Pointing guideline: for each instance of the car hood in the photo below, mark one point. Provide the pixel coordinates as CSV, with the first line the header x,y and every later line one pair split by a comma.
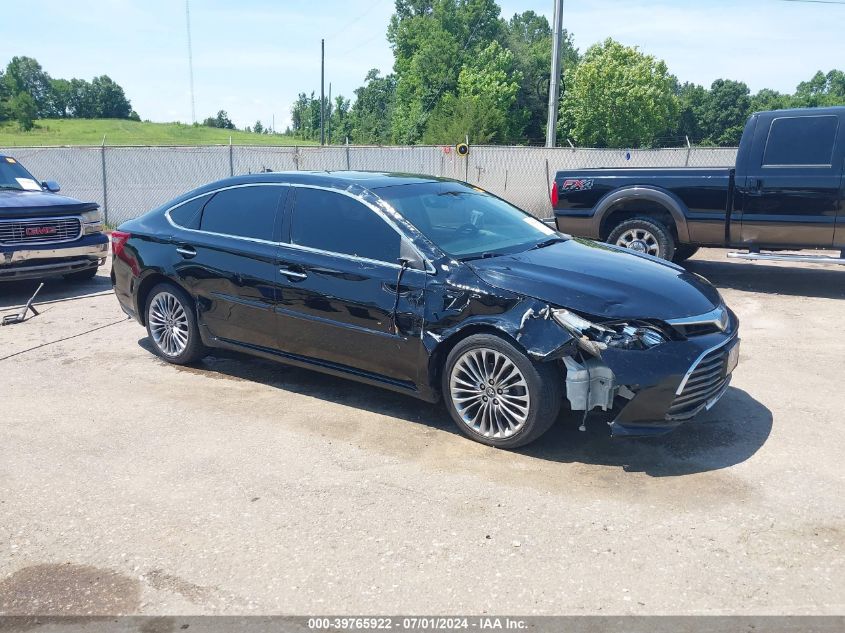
x,y
38,203
600,280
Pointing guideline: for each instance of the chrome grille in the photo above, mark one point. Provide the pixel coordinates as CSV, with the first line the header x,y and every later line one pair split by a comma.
x,y
706,380
40,230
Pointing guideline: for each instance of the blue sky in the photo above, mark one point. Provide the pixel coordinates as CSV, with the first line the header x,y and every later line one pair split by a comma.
x,y
252,57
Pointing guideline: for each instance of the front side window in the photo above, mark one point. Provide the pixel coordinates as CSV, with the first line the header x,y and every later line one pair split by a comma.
x,y
466,222
14,176
805,140
243,211
336,223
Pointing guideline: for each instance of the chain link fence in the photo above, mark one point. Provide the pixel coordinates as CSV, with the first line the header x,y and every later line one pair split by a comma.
x,y
129,181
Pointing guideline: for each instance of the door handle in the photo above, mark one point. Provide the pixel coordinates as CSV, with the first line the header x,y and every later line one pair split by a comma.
x,y
292,274
186,251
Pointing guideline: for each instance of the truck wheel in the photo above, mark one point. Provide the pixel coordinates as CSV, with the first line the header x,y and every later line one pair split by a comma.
x,y
683,252
497,395
644,235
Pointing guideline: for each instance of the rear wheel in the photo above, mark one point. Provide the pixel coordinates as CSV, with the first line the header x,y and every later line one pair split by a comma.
x,y
644,235
497,395
683,252
172,325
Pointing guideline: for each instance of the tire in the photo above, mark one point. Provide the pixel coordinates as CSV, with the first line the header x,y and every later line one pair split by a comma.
x,y
508,425
683,252
172,325
82,275
644,235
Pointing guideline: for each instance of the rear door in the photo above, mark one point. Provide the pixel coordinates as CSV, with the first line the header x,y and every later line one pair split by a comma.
x,y
227,258
340,271
792,188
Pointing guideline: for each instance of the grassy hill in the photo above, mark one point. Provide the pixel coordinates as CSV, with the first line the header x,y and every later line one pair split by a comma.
x,y
123,132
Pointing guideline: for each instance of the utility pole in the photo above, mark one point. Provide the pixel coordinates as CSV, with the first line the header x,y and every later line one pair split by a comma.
x,y
329,116
554,77
190,62
322,92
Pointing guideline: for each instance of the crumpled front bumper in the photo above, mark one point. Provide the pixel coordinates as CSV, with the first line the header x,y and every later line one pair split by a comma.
x,y
672,382
33,261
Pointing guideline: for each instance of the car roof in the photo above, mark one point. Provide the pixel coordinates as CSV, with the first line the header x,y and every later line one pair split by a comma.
x,y
331,179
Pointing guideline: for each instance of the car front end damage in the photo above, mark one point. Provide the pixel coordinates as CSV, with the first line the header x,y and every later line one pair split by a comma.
x,y
651,376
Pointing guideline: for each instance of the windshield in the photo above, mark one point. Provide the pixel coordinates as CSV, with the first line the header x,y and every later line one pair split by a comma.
x,y
13,176
465,222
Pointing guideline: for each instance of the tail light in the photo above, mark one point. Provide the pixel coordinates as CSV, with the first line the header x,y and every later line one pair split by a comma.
x,y
118,249
118,242
554,195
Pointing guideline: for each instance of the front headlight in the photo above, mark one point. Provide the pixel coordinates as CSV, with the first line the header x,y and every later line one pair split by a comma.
x,y
92,222
595,337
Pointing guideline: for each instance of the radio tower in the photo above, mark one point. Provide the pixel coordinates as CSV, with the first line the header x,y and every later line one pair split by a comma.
x,y
190,61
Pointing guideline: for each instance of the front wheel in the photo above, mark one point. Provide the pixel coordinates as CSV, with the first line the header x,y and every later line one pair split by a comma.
x,y
497,395
644,235
172,325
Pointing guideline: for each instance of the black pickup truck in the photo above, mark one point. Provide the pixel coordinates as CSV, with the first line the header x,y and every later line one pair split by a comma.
x,y
785,193
43,234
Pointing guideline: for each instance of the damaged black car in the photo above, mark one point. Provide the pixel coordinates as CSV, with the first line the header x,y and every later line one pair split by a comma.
x,y
432,288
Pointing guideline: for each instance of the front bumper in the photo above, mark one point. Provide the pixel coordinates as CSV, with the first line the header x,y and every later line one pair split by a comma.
x,y
47,260
654,391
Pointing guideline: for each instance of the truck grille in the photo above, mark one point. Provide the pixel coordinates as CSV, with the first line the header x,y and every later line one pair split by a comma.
x,y
40,230
706,380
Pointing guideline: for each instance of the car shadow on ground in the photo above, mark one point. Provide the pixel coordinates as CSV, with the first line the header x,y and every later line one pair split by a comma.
x,y
729,434
756,277
17,293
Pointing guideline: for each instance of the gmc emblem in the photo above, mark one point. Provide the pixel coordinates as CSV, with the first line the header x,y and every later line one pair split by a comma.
x,y
40,230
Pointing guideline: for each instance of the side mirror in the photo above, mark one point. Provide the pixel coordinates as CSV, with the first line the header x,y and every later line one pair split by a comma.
x,y
51,185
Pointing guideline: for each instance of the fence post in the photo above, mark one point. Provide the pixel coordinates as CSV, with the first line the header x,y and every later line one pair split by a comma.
x,y
231,158
105,187
347,154
689,149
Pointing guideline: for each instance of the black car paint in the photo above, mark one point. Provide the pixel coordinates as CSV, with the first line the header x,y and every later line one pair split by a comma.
x,y
750,206
338,320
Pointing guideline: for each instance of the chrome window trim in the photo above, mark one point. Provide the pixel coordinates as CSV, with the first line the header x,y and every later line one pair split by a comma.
x,y
718,317
698,360
82,225
429,267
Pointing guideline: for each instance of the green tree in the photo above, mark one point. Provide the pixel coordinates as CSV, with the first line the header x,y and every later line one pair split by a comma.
x,y
258,128
728,108
822,90
372,112
431,40
221,120
24,74
692,102
24,110
341,120
529,37
768,99
617,97
60,97
110,99
485,102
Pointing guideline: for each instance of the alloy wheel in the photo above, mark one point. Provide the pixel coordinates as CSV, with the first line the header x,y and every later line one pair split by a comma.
x,y
640,241
169,324
489,393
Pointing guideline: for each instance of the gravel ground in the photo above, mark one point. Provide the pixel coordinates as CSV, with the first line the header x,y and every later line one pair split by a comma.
x,y
240,486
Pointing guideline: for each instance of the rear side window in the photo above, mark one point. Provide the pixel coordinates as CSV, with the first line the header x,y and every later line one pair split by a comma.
x,y
187,215
243,212
338,224
806,140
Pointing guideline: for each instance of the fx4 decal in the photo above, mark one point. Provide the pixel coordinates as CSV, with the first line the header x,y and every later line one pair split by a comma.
x,y
577,184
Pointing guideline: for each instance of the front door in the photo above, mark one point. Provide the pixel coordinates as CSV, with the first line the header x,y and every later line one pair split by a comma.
x,y
341,303
791,193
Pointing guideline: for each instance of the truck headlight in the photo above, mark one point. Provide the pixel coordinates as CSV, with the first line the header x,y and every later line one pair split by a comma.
x,y
595,337
92,222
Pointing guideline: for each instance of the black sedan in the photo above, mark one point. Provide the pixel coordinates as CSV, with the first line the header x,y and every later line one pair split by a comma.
x,y
429,287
